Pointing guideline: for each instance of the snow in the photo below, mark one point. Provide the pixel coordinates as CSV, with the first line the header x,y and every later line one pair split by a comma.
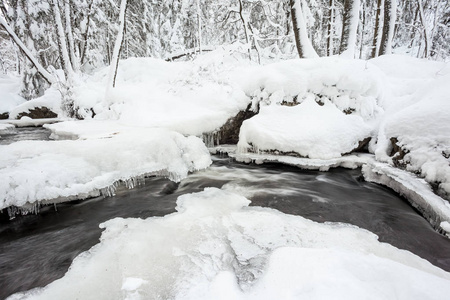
x,y
217,247
418,115
51,99
298,129
191,98
4,127
9,93
55,171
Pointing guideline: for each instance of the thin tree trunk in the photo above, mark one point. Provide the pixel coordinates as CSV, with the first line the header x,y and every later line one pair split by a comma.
x,y
69,33
117,46
330,29
425,29
45,74
199,24
349,28
388,27
244,24
67,67
304,46
376,35
86,34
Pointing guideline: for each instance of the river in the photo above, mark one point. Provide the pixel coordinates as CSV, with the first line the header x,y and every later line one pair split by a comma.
x,y
37,249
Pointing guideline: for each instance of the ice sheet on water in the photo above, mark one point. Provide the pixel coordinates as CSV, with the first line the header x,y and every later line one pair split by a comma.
x,y
48,171
217,247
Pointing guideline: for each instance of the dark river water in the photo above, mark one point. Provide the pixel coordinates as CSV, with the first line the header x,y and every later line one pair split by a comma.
x,y
37,249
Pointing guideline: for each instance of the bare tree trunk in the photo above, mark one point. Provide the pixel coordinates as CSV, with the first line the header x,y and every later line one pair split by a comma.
x,y
69,34
244,24
66,65
86,34
425,29
376,35
330,29
199,24
349,28
304,46
117,46
388,27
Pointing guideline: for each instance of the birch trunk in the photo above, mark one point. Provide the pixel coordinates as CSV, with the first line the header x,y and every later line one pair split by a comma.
x,y
117,46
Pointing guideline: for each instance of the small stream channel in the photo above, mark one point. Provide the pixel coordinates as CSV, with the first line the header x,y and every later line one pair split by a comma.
x,y
37,249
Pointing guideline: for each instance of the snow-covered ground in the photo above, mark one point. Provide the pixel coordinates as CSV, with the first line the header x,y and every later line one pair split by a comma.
x,y
217,247
319,109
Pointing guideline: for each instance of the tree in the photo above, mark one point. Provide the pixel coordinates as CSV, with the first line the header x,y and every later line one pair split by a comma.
x,y
390,15
349,28
304,46
377,32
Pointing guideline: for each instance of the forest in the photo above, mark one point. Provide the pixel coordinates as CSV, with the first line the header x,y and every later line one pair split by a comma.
x,y
77,36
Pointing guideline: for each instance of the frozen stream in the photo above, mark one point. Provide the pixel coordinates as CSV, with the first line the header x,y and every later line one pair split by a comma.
x,y
37,249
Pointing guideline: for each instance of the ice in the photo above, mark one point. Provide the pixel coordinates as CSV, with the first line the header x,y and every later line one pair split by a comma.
x,y
217,247
55,171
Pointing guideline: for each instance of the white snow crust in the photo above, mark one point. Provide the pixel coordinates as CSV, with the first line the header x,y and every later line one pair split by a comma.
x,y
54,171
217,247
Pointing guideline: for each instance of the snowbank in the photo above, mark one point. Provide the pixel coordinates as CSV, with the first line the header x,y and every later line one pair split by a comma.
x,y
216,247
54,171
188,97
418,116
308,129
329,106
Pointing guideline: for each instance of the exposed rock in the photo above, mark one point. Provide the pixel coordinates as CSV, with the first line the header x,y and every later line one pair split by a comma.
x,y
4,116
229,132
363,146
38,113
397,154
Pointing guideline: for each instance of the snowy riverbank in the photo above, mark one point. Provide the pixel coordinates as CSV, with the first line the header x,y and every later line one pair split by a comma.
x,y
314,108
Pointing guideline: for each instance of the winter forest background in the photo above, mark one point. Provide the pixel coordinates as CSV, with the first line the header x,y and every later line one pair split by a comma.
x,y
79,35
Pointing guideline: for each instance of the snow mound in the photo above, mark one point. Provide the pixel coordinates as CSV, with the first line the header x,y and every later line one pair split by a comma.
x,y
51,99
354,86
55,171
308,129
423,130
188,97
216,247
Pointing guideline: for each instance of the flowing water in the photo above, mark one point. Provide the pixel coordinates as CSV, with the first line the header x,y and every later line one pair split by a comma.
x,y
37,249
